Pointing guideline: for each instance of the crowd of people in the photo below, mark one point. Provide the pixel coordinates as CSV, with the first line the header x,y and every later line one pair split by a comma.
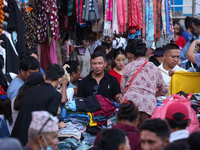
x,y
32,102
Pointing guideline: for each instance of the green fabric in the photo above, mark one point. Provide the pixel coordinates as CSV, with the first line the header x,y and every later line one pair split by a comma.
x,y
48,34
69,111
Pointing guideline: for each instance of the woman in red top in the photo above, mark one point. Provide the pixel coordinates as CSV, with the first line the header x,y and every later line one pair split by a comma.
x,y
179,40
119,60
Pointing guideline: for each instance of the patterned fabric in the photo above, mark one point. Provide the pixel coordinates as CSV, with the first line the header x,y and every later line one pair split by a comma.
x,y
40,118
157,17
135,16
115,27
170,18
48,14
167,16
122,15
79,9
143,88
149,23
70,7
30,21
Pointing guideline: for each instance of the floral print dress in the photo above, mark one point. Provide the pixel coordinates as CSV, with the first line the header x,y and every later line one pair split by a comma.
x,y
142,90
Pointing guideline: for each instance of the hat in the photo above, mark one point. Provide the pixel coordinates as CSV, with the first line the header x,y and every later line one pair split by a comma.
x,y
43,121
158,52
177,107
10,143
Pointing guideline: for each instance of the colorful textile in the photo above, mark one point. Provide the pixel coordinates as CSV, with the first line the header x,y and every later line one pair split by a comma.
x,y
115,23
149,23
92,122
163,15
109,12
79,9
107,24
48,13
53,51
135,16
167,16
171,27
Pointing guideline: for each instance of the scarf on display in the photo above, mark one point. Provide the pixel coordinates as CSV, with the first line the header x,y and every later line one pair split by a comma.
x,y
167,16
79,9
170,18
107,24
48,15
109,12
115,27
163,15
157,17
135,16
149,23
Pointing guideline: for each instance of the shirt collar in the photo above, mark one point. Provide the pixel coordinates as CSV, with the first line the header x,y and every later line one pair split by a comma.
x,y
178,135
104,77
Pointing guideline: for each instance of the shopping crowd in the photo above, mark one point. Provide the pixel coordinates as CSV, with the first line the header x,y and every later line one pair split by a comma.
x,y
104,100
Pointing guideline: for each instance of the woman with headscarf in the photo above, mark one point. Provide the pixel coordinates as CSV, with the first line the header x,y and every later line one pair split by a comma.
x,y
33,79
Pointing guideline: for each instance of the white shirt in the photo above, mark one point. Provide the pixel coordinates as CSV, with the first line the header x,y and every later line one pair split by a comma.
x,y
167,78
178,135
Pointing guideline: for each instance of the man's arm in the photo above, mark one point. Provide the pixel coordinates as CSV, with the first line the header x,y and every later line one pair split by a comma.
x,y
190,53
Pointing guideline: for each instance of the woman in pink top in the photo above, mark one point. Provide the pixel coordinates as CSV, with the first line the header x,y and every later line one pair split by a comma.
x,y
142,91
119,60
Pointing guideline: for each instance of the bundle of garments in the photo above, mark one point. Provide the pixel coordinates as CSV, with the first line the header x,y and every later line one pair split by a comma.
x,y
12,31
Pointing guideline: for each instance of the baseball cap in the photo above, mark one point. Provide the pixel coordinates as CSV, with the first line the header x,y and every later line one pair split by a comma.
x,y
177,107
158,52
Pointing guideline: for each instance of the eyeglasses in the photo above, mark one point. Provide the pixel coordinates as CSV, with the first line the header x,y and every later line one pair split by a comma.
x,y
96,87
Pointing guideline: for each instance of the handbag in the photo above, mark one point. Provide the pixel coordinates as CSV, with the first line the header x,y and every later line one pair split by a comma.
x,y
136,75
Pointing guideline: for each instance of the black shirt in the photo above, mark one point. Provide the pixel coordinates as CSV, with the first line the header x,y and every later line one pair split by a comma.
x,y
154,60
42,97
108,86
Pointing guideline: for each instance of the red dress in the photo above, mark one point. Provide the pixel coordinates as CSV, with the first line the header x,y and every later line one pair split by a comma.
x,y
116,75
180,42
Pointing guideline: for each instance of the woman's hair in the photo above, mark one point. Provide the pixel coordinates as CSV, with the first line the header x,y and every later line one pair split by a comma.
x,y
5,108
138,48
175,22
33,79
118,51
127,111
100,48
3,81
193,141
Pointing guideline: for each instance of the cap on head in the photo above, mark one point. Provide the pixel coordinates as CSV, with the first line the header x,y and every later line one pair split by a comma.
x,y
45,121
177,107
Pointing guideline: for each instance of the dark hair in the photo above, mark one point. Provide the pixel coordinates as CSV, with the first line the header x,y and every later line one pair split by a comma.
x,y
118,51
54,72
127,49
109,59
138,48
112,139
193,141
107,45
128,111
5,109
73,66
3,81
176,22
176,146
33,79
196,22
98,54
29,62
101,49
178,123
95,148
30,52
158,126
188,20
170,46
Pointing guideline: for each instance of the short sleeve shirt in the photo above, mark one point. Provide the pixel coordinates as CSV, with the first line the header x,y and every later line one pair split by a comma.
x,y
108,86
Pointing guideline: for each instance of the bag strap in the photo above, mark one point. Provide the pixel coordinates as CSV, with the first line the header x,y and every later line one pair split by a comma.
x,y
136,74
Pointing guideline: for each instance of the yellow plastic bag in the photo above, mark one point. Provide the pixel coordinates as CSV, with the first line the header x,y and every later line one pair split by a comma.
x,y
188,82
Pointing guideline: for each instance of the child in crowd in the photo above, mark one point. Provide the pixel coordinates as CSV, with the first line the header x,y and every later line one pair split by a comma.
x,y
109,61
5,116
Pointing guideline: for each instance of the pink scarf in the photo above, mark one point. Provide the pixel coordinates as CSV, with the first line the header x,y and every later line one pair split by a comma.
x,y
109,12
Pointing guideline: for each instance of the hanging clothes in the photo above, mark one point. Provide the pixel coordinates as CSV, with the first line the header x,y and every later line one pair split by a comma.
x,y
12,60
109,12
98,26
31,20
52,50
149,23
157,19
115,23
135,16
16,23
90,10
48,14
107,24
163,15
79,9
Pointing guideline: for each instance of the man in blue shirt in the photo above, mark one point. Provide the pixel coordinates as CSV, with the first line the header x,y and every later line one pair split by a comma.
x,y
186,34
195,26
28,65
